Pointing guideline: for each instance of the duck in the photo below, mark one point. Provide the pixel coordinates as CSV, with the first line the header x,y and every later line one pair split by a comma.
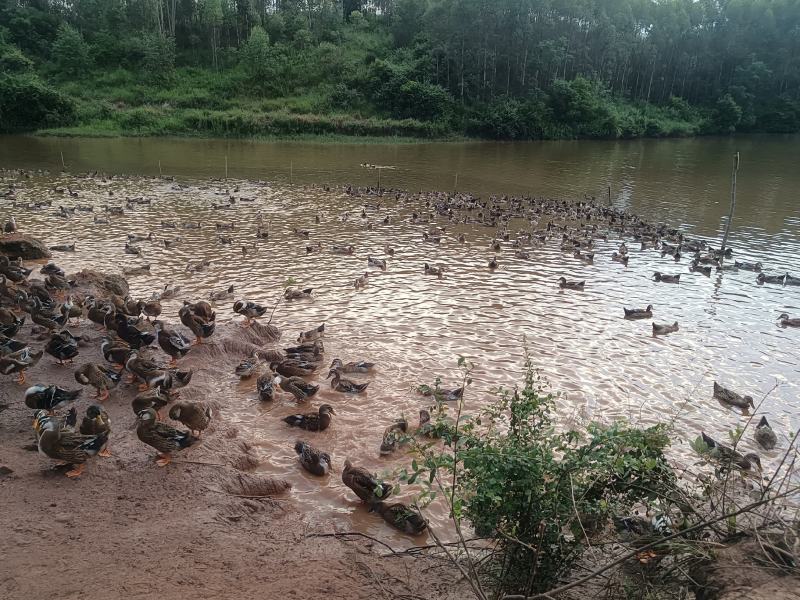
x,y
346,250
361,281
585,257
98,313
694,267
71,310
219,295
346,386
248,367
620,258
164,438
387,249
364,484
116,352
309,350
658,276
762,278
249,310
318,421
434,271
570,285
201,327
140,366
62,346
18,362
169,292
376,262
10,321
731,398
68,446
787,322
52,269
96,422
430,429
664,329
265,385
155,399
291,293
764,435
129,333
9,345
401,517
639,313
392,436
49,398
293,368
312,460
99,377
523,254
351,367
493,264
193,415
150,308
311,334
173,343
297,387
441,394
730,456
748,266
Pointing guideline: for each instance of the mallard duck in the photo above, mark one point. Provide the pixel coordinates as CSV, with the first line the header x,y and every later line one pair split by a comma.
x,y
309,350
195,416
171,342
99,377
303,233
392,436
318,421
150,308
730,456
351,367
291,293
493,264
155,399
265,387
387,249
346,386
52,268
523,254
67,446
131,249
140,270
791,280
361,281
441,394
17,362
434,271
98,313
762,278
116,352
62,346
342,249
664,329
297,387
9,345
294,367
730,397
748,266
96,422
248,367
620,258
71,310
312,460
199,326
220,295
570,285
764,435
141,366
639,313
164,438
56,283
584,257
169,292
9,320
311,334
694,267
366,486
49,398
376,262
180,378
401,517
311,248
249,310
658,276
129,333
787,322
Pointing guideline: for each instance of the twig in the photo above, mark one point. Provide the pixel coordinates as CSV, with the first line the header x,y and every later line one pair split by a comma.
x,y
575,507
476,589
641,549
352,533
197,462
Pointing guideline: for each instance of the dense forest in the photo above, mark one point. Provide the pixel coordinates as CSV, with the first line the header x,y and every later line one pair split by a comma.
x,y
509,69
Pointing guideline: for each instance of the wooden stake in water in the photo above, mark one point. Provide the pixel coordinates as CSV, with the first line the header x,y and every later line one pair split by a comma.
x,y
609,195
226,167
455,185
733,206
63,166
159,170
291,172
379,178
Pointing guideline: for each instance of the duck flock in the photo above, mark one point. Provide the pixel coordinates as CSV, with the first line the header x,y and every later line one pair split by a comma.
x,y
138,342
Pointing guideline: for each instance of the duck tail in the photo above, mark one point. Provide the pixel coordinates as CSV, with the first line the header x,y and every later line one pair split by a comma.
x,y
186,439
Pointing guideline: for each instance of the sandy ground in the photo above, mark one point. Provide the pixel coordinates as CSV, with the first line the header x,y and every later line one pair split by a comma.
x,y
129,529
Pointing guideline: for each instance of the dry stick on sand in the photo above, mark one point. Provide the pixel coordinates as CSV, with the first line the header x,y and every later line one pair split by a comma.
x,y
641,549
338,535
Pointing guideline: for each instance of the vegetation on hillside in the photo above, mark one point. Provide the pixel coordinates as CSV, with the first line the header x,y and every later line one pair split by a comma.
x,y
506,69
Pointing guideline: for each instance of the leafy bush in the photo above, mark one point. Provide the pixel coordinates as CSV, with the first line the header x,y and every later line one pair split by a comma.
x,y
70,52
515,478
579,103
14,61
27,104
255,54
727,114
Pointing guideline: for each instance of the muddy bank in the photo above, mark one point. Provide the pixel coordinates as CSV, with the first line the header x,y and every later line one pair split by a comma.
x,y
26,247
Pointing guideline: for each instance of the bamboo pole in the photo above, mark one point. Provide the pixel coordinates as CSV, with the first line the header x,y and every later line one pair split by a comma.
x,y
160,174
609,195
291,172
379,178
63,165
455,185
734,172
226,167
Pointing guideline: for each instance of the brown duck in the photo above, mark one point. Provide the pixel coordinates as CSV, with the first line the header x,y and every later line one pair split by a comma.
x,y
192,414
164,438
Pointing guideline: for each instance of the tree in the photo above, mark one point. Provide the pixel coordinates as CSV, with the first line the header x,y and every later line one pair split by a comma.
x,y
70,53
255,53
727,114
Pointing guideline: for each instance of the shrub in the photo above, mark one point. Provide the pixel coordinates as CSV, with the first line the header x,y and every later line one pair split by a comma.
x,y
27,104
12,60
70,53
727,114
255,53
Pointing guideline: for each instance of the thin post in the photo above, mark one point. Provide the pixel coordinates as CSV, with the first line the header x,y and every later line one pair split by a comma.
x,y
226,167
455,185
291,172
160,175
379,178
733,206
609,195
63,166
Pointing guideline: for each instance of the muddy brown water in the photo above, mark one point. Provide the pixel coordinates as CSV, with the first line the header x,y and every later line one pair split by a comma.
x,y
415,327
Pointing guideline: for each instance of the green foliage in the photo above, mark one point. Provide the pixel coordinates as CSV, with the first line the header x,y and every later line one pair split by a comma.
x,y
26,104
255,54
727,114
14,61
521,481
70,52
